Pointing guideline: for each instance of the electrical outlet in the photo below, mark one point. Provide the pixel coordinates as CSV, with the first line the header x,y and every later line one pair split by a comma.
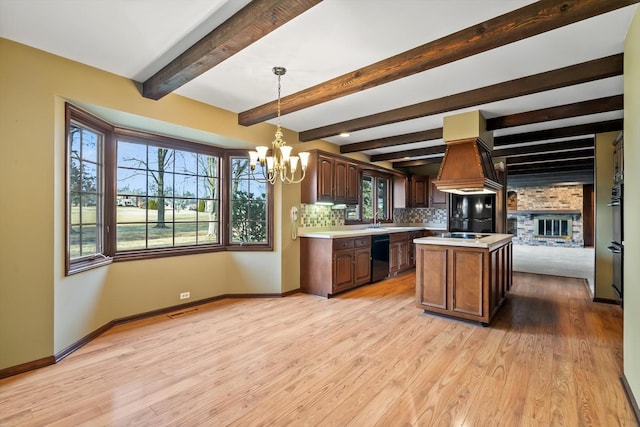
x,y
185,295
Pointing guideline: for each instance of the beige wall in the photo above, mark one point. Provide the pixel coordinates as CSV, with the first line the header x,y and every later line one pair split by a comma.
x,y
603,219
42,311
632,205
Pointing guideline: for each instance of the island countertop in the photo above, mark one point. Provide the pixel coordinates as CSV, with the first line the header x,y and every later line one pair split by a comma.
x,y
485,240
339,232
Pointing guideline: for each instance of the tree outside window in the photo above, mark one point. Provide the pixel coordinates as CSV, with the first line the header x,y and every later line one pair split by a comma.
x,y
248,205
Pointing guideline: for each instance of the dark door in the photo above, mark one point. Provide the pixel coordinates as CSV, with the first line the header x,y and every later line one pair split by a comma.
x,y
588,209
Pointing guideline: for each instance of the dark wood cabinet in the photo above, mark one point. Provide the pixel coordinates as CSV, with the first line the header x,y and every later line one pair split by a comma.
x,y
325,178
345,182
330,179
464,282
330,266
401,191
399,253
437,198
420,191
412,246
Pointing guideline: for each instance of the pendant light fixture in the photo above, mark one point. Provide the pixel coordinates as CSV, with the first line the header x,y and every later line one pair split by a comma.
x,y
279,163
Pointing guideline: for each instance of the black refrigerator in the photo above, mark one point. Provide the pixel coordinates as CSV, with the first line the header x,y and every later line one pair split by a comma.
x,y
472,213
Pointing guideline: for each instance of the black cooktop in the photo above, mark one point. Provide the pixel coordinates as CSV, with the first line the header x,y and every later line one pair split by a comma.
x,y
464,235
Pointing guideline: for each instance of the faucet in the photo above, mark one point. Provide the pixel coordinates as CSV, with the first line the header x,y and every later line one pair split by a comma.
x,y
376,223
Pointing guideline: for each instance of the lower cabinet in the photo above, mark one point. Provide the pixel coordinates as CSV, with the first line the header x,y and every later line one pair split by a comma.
x,y
398,253
330,266
464,282
402,251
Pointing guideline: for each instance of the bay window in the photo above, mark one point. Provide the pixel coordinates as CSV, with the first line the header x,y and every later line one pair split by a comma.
x,y
134,195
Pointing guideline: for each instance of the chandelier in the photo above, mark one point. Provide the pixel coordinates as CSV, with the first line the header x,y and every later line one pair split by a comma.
x,y
280,163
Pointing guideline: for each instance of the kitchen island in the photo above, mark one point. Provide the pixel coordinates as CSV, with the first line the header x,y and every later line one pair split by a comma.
x,y
463,275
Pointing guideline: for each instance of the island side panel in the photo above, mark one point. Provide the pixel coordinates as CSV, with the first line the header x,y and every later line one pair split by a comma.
x,y
467,284
432,277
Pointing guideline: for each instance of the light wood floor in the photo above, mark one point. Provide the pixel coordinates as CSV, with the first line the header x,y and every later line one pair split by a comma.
x,y
368,357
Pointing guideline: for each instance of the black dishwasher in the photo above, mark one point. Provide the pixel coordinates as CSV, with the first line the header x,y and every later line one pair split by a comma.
x,y
379,256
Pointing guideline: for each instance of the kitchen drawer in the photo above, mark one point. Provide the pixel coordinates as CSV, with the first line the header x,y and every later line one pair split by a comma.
x,y
342,244
362,242
398,237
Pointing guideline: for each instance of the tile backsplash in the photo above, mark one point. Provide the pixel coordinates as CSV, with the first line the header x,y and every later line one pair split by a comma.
x,y
420,216
320,216
325,216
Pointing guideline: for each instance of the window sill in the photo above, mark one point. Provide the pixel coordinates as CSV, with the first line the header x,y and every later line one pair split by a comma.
x,y
85,265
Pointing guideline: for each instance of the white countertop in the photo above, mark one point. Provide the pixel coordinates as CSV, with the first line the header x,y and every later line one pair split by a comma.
x,y
356,231
490,241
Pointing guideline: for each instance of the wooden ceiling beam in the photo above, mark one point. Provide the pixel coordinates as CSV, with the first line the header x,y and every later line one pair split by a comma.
x,y
551,167
407,138
251,23
569,131
594,106
533,156
572,75
601,105
418,162
427,151
551,157
533,19
573,144
497,152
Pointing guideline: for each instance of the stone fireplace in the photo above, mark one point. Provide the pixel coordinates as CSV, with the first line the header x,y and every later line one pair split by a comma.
x,y
546,216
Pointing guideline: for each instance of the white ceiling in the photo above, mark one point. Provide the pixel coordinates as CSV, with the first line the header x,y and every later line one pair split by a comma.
x,y
135,38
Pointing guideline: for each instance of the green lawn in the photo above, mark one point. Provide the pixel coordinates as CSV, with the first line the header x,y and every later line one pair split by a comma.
x,y
185,226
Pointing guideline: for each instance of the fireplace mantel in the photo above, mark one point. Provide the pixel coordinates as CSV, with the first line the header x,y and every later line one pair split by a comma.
x,y
545,212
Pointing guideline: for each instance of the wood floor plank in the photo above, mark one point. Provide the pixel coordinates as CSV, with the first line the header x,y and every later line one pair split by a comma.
x,y
365,357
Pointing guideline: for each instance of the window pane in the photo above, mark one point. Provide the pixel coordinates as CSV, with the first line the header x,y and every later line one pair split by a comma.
x,y
208,232
161,159
383,199
166,184
367,197
75,177
132,236
186,233
185,185
89,145
160,235
132,155
248,205
84,193
209,211
208,165
186,162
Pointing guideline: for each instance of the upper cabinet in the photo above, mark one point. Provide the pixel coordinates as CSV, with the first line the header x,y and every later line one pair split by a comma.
x,y
325,179
330,179
420,191
345,181
437,198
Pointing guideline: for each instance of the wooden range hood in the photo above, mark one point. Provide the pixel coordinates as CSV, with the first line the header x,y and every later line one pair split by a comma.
x,y
467,167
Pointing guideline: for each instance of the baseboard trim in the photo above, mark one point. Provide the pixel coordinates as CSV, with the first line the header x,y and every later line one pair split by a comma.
x,y
632,399
57,357
25,367
606,301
